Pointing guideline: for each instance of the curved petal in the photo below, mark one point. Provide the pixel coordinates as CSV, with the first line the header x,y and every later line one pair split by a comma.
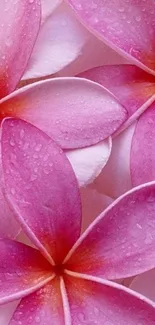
x,y
115,178
88,162
94,301
22,270
93,203
16,47
121,241
41,188
131,85
143,148
145,284
6,312
127,26
74,112
48,7
60,40
42,307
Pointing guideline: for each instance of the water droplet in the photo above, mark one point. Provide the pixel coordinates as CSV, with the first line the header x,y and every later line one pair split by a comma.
x,y
81,317
22,132
121,9
138,18
38,147
12,142
13,191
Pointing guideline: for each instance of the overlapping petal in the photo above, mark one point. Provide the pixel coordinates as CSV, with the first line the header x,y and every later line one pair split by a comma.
x,y
142,149
88,162
75,112
145,284
41,187
127,26
120,242
20,22
131,85
94,301
60,40
45,306
48,7
22,270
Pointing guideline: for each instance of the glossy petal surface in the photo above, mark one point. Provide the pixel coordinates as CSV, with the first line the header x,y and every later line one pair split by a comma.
x,y
131,85
41,188
127,26
20,22
60,41
96,302
74,112
120,242
143,148
22,270
43,307
88,162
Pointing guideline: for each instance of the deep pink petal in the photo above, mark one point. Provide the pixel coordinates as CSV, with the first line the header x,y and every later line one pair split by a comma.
x,y
131,85
127,26
43,307
115,179
74,112
93,203
41,188
143,148
99,302
121,241
20,22
22,270
88,162
60,41
145,284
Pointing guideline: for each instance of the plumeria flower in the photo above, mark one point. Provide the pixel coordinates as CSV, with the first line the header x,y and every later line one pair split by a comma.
x,y
65,279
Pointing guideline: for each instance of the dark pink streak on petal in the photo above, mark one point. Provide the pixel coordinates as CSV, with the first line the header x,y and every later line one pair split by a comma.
x,y
97,302
131,85
20,20
43,307
22,270
143,148
75,112
121,241
41,188
128,26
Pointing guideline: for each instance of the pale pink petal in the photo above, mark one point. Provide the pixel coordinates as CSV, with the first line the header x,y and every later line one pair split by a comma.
x,y
96,302
127,26
48,7
101,54
75,112
45,307
93,203
115,179
22,270
88,162
19,27
145,284
6,312
120,242
131,85
143,148
59,42
41,188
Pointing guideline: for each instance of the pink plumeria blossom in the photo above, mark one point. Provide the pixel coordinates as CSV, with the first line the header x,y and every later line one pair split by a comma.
x,y
66,279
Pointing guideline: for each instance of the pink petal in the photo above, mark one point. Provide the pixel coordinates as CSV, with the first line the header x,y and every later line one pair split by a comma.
x,y
41,188
93,203
142,150
145,284
88,162
96,302
59,42
131,85
121,241
18,31
127,26
22,270
74,112
115,179
43,307
6,312
48,7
